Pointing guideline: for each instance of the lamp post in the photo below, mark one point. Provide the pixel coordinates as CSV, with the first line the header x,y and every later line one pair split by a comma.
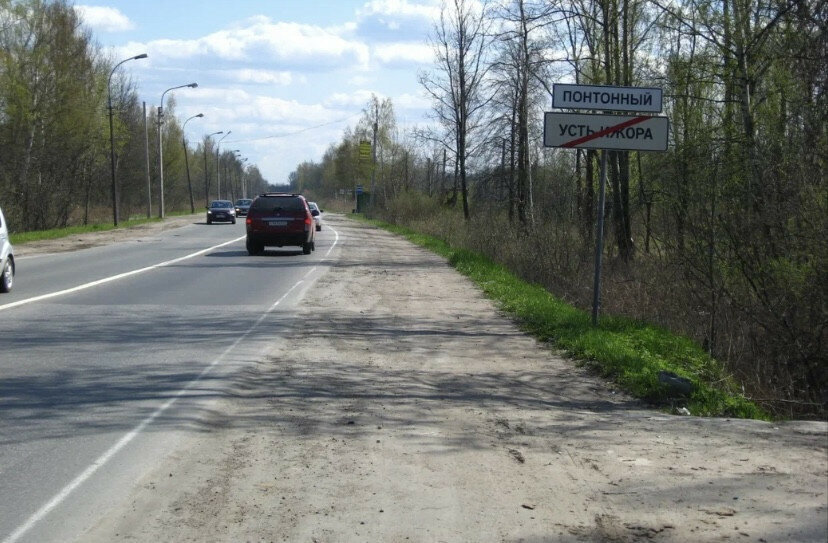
x,y
147,163
160,147
242,179
187,160
230,175
112,136
218,165
206,182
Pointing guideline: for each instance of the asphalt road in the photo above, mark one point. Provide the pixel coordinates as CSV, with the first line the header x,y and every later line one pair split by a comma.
x,y
111,355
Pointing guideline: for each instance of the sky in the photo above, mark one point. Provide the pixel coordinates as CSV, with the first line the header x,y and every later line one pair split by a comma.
x,y
284,77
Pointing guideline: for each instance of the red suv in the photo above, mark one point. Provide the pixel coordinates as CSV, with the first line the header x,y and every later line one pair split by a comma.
x,y
277,219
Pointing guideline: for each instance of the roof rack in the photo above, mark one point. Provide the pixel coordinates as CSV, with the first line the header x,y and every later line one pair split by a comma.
x,y
279,194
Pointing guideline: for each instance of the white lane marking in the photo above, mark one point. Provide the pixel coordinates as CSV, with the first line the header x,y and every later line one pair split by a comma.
x,y
114,277
327,254
112,451
336,240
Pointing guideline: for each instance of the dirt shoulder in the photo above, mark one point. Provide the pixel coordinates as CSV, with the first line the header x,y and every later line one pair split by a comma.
x,y
405,407
95,239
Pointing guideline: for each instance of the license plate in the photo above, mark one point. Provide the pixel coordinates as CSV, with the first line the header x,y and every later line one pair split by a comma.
x,y
276,223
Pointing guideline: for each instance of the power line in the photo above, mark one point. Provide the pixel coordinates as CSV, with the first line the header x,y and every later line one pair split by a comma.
x,y
286,134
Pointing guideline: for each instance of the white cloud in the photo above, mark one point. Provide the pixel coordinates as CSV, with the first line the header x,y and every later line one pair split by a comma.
x,y
248,75
412,101
281,43
278,110
238,106
355,99
359,99
104,19
392,53
359,80
396,8
396,20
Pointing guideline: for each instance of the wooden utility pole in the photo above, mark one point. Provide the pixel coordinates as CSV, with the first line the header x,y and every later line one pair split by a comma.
x,y
373,158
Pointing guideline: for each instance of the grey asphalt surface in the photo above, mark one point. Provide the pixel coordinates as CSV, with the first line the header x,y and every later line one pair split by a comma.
x,y
97,384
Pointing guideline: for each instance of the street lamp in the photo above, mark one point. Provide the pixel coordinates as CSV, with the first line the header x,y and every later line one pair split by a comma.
x,y
112,136
218,165
187,160
206,182
160,150
242,180
235,153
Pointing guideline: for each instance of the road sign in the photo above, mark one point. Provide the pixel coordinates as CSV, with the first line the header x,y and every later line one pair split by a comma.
x,y
602,97
364,151
359,189
614,132
605,132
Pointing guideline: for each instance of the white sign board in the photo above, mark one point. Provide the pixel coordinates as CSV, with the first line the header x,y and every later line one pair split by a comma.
x,y
644,99
614,132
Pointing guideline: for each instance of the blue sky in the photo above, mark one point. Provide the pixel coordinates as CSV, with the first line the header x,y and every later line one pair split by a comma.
x,y
272,71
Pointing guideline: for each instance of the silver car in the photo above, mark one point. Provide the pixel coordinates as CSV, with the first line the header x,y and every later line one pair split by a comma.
x,y
6,257
317,215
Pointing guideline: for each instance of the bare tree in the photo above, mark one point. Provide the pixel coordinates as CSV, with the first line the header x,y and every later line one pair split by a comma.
x,y
524,64
457,85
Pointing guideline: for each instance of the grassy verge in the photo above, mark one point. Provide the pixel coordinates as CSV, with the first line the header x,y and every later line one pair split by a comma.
x,y
55,233
632,353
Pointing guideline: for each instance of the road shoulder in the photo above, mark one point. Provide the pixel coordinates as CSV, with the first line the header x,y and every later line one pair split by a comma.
x,y
402,406
95,239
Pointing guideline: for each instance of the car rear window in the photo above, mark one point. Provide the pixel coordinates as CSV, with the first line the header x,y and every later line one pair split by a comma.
x,y
278,203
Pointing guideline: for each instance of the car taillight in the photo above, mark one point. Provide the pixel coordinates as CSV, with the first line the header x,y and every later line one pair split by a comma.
x,y
308,219
248,220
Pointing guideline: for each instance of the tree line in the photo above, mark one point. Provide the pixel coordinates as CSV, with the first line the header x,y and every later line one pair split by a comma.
x,y
721,238
55,138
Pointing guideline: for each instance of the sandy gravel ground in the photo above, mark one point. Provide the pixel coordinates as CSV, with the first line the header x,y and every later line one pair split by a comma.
x,y
402,406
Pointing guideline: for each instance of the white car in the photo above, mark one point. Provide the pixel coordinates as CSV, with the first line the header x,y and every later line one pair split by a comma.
x,y
6,257
317,215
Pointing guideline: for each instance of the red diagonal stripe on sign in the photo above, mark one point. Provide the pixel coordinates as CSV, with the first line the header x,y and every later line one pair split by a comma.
x,y
604,132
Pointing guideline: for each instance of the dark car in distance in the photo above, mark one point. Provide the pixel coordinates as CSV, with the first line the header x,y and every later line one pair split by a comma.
x,y
277,219
221,211
242,206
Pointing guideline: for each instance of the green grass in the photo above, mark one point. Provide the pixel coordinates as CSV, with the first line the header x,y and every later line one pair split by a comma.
x,y
630,352
55,233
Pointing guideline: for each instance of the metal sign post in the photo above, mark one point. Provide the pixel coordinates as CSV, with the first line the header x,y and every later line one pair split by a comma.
x,y
603,131
599,240
357,200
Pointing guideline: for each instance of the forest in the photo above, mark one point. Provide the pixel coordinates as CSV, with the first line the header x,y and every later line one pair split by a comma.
x,y
57,154
721,238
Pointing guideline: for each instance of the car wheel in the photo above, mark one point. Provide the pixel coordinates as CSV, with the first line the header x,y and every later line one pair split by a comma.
x,y
233,221
209,221
307,248
7,278
253,249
